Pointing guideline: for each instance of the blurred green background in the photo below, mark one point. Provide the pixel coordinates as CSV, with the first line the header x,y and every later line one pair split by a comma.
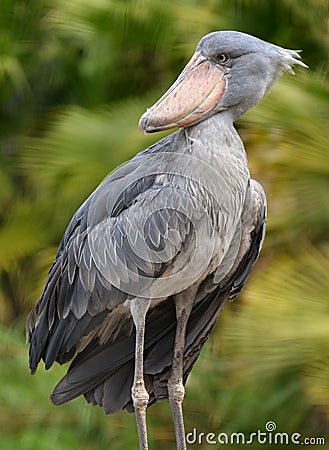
x,y
75,76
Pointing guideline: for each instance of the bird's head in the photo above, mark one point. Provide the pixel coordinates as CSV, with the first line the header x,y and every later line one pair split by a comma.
x,y
230,71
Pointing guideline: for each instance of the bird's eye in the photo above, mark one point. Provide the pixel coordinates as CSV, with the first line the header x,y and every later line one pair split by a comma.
x,y
222,58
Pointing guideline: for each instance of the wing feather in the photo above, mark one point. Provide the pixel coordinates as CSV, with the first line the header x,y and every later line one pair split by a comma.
x,y
101,256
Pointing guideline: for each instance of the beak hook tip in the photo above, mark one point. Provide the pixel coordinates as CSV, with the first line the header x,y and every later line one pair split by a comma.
x,y
142,126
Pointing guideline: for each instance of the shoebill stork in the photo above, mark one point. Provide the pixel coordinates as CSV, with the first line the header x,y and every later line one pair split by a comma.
x,y
151,257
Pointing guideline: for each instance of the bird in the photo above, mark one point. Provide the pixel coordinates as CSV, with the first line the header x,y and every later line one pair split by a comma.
x,y
150,259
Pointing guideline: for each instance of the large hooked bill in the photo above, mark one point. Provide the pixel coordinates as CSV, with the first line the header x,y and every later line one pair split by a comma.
x,y
193,97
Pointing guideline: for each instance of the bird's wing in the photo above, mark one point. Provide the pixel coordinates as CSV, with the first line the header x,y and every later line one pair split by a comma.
x,y
118,244
104,373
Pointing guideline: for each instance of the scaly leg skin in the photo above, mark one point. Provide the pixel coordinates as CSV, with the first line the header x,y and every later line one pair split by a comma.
x,y
138,309
184,303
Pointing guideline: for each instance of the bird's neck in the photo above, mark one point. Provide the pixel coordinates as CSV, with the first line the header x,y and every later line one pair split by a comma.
x,y
216,151
216,140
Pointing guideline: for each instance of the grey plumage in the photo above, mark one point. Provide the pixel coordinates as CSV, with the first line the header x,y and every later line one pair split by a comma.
x,y
183,216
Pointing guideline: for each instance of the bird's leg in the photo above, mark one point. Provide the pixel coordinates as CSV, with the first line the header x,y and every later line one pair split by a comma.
x,y
140,397
176,391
